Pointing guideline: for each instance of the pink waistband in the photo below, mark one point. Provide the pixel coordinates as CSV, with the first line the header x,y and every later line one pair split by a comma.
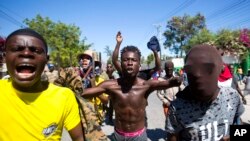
x,y
130,134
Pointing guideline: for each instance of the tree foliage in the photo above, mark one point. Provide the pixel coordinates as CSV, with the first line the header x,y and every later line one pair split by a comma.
x,y
150,59
245,37
229,40
180,30
63,40
204,36
109,53
143,60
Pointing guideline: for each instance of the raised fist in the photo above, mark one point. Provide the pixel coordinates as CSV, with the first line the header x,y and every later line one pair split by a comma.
x,y
175,81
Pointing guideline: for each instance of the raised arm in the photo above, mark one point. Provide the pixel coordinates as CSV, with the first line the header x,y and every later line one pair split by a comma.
x,y
157,62
154,45
115,60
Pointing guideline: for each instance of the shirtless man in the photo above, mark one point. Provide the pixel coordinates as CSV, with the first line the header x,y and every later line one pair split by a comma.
x,y
144,74
129,95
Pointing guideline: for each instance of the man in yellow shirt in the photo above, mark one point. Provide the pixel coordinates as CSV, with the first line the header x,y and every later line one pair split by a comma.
x,y
32,109
100,101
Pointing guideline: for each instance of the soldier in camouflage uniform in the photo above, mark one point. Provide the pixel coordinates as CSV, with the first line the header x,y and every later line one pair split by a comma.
x,y
70,78
77,79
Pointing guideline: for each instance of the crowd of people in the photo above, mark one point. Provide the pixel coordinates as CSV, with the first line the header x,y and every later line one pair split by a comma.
x,y
39,100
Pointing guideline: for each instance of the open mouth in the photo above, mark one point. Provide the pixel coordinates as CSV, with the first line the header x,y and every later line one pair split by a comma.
x,y
130,70
25,70
86,64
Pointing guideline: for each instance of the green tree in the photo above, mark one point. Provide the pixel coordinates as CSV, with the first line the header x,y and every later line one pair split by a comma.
x,y
143,60
204,36
63,40
180,29
150,59
109,53
229,40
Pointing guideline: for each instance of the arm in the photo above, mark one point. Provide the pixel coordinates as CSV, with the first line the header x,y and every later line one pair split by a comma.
x,y
157,62
238,89
94,91
172,137
115,60
225,138
240,93
161,85
173,127
76,133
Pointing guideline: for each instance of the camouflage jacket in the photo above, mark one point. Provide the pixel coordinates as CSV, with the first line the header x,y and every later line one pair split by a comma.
x,y
70,78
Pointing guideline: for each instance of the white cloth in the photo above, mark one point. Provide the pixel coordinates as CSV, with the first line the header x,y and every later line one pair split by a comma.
x,y
227,83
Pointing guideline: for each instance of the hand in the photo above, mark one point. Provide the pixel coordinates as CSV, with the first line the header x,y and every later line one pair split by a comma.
x,y
154,44
225,138
119,37
175,81
244,100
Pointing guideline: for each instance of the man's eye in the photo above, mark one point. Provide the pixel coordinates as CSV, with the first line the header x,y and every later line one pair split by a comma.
x,y
36,50
31,49
135,60
17,48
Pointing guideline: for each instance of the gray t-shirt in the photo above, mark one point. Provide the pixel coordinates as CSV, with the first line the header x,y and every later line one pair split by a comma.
x,y
198,121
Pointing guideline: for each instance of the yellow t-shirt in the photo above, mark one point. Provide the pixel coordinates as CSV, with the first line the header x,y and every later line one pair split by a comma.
x,y
96,100
36,116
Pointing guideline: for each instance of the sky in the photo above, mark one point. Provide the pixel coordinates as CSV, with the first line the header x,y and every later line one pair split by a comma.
x,y
138,20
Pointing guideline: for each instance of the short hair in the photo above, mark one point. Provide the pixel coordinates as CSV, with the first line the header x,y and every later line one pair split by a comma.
x,y
29,32
199,46
168,62
132,49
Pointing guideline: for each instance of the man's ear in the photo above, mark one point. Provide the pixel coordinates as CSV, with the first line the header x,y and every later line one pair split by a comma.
x,y
48,57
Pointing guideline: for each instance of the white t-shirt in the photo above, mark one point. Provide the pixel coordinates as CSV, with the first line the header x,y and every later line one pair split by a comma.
x,y
227,83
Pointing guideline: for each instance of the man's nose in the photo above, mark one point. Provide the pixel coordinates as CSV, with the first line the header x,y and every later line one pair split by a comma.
x,y
27,52
130,62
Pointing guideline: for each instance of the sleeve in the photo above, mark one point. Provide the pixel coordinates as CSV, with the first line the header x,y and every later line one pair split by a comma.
x,y
240,107
161,96
244,80
237,104
72,116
